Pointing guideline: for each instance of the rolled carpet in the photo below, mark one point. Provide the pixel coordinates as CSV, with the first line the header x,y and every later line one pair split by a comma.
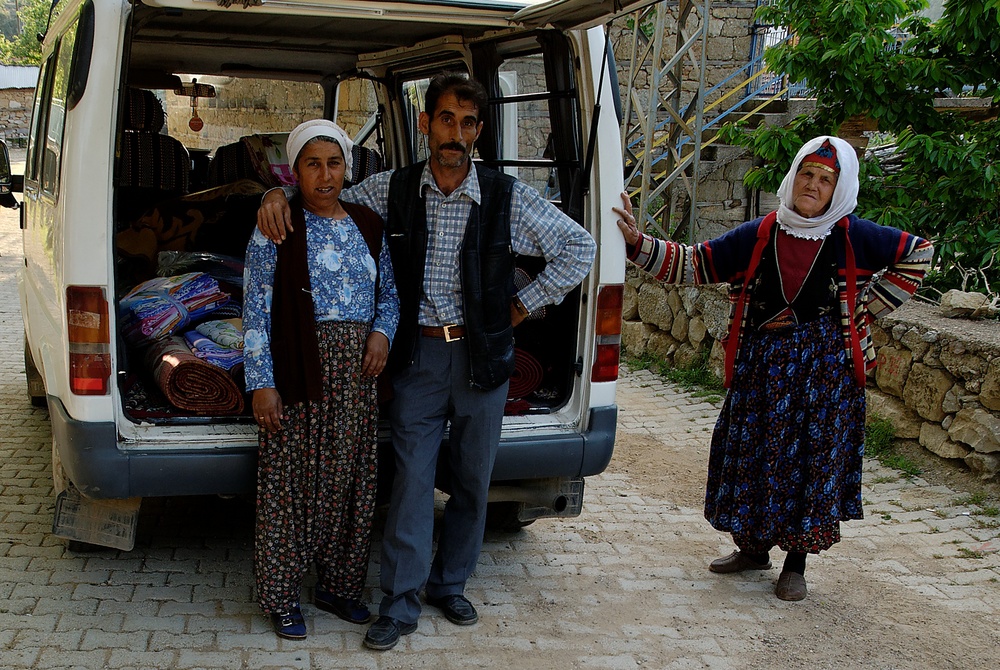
x,y
190,383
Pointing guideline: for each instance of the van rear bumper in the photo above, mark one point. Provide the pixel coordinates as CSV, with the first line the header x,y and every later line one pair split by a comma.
x,y
100,469
96,465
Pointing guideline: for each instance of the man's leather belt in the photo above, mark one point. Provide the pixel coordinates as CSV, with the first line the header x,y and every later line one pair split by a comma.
x,y
447,333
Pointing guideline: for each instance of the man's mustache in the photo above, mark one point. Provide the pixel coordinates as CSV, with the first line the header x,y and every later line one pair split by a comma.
x,y
453,146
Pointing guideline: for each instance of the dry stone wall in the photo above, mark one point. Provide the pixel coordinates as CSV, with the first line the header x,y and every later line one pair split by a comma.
x,y
938,378
15,114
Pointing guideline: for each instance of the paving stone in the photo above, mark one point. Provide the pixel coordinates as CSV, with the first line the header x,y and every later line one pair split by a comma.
x,y
597,591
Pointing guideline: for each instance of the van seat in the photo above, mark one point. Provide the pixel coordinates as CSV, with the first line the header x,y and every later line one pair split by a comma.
x,y
150,159
262,158
365,163
153,166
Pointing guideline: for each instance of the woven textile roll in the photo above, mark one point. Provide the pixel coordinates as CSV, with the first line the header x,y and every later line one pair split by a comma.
x,y
190,383
527,375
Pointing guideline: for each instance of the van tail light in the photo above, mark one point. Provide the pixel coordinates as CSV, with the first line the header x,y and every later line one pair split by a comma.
x,y
89,341
609,333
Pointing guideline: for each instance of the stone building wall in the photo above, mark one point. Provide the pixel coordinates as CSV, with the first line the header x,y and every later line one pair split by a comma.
x,y
15,114
938,379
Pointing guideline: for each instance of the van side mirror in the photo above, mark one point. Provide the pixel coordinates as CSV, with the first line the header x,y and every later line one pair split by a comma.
x,y
6,181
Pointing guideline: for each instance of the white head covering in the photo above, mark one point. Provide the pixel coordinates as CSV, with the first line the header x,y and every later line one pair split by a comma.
x,y
308,130
843,202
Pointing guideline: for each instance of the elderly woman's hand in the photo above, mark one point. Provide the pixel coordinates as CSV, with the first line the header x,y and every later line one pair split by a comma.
x,y
376,354
274,218
627,223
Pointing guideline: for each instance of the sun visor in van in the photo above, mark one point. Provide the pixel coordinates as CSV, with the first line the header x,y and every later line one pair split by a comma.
x,y
153,79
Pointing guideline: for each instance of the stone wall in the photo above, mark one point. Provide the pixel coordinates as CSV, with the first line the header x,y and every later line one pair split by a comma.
x,y
15,114
938,379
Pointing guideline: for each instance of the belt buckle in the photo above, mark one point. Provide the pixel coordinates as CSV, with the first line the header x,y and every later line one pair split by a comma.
x,y
447,333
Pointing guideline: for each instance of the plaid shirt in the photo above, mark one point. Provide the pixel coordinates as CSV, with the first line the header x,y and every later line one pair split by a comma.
x,y
537,228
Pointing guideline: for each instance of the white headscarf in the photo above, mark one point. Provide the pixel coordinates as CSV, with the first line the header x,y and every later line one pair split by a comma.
x,y
308,130
843,202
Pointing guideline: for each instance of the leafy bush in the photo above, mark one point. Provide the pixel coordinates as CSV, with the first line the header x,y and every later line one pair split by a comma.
x,y
948,185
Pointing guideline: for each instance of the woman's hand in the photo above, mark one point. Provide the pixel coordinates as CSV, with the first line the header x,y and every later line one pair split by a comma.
x,y
627,223
274,218
267,409
376,354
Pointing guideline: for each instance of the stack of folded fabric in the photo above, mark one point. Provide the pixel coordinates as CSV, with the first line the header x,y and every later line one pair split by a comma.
x,y
212,352
160,307
190,383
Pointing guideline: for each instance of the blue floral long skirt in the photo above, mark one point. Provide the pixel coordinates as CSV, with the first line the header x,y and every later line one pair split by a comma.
x,y
786,456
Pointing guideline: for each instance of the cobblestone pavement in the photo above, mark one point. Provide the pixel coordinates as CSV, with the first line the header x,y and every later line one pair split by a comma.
x,y
623,586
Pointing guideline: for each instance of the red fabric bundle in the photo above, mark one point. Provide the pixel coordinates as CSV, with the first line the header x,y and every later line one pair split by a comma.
x,y
190,383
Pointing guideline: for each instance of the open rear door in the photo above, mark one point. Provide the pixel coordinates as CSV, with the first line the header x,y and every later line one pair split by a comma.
x,y
566,14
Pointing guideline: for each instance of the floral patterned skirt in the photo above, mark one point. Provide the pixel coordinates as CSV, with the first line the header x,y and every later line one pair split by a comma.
x,y
316,480
786,457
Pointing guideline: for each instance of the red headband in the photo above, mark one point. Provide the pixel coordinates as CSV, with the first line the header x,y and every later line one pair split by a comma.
x,y
824,158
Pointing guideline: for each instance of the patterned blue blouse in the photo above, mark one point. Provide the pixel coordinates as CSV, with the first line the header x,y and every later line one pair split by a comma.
x,y
342,276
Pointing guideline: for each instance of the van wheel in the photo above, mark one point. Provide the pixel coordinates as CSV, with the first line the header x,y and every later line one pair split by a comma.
x,y
502,516
36,387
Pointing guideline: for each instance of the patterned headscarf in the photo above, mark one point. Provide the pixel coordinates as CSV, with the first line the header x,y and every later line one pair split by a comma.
x,y
830,153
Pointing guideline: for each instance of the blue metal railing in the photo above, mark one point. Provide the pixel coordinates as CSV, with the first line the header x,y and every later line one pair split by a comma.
x,y
759,82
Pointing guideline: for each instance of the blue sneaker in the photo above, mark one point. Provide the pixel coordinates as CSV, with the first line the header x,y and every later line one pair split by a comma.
x,y
352,611
289,625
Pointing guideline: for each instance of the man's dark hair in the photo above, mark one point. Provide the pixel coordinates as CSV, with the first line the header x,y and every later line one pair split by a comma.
x,y
463,88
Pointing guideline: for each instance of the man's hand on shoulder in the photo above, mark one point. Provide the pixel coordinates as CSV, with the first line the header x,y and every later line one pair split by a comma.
x,y
274,218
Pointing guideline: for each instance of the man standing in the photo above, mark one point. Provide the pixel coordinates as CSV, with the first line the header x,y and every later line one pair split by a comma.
x,y
452,229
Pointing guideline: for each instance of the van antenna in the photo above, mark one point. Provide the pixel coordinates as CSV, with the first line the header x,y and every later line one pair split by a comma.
x,y
48,22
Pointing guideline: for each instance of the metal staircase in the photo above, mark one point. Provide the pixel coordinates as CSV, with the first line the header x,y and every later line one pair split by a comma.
x,y
671,118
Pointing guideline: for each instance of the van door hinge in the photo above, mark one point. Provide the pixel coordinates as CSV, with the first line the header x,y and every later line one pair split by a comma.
x,y
578,366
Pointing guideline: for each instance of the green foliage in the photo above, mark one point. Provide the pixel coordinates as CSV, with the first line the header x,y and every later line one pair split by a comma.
x,y
25,49
879,434
948,188
880,438
696,378
10,26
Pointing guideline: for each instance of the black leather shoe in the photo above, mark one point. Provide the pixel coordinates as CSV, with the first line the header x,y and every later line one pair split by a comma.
x,y
456,609
385,632
352,611
289,625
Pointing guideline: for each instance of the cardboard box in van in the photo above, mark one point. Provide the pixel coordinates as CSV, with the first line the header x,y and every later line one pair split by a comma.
x,y
157,126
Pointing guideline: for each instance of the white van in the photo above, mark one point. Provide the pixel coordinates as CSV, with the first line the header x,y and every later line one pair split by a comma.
x,y
156,126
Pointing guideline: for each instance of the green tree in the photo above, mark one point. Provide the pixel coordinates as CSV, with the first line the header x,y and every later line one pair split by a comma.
x,y
948,186
10,26
25,49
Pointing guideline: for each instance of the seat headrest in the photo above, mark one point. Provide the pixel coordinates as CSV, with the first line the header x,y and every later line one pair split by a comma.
x,y
144,111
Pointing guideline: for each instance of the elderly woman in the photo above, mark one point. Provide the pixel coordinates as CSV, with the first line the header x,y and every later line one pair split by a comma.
x,y
320,313
805,282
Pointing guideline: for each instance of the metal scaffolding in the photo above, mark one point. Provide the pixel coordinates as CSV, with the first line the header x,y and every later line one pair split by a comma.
x,y
663,112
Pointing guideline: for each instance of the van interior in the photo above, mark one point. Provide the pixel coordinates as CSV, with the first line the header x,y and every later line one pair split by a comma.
x,y
209,97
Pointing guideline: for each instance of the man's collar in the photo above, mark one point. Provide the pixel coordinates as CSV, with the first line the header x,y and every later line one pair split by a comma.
x,y
469,186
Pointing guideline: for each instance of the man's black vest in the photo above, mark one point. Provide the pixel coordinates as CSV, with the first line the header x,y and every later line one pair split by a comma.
x,y
487,272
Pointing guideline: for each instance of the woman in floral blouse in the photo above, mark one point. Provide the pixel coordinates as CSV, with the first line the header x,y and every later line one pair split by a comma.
x,y
320,313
